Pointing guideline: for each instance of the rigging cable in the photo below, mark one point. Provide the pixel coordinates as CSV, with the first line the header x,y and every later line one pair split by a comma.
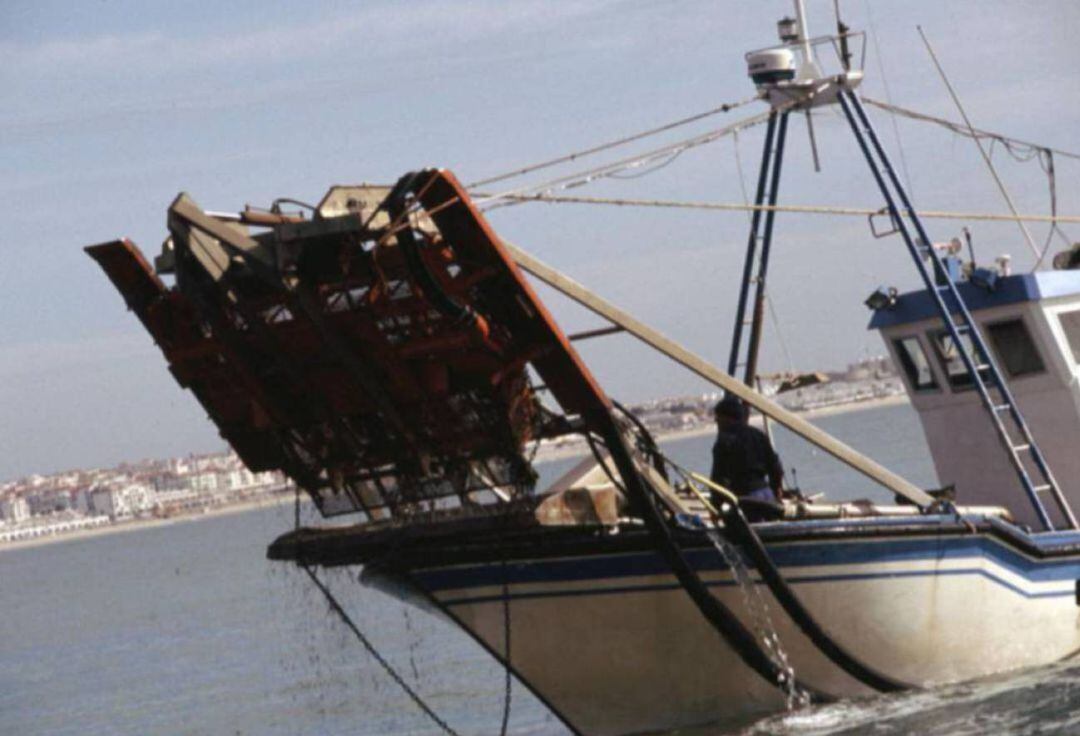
x,y
1046,163
726,107
803,209
656,167
1020,150
982,151
1045,157
587,176
609,170
742,176
388,668
779,334
879,55
963,130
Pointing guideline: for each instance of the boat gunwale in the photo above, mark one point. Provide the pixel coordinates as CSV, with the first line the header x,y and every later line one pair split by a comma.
x,y
470,541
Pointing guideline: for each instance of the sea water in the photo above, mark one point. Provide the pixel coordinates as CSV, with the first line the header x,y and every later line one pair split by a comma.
x,y
188,629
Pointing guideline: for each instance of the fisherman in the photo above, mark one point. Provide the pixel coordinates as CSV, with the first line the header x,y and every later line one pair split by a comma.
x,y
743,458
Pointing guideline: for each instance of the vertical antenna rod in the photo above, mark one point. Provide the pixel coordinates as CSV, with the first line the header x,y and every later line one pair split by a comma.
x,y
804,35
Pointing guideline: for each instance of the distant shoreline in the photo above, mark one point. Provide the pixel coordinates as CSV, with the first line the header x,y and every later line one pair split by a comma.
x,y
132,525
280,499
578,449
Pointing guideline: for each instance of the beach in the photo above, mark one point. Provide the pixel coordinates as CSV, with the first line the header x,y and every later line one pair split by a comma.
x,y
545,454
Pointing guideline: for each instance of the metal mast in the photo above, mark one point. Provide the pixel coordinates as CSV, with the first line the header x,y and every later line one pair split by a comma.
x,y
787,84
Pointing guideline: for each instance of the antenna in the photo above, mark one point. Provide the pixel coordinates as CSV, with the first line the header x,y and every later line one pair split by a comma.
x,y
842,34
808,69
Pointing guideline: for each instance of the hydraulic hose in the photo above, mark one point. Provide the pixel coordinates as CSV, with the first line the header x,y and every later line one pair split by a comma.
x,y
745,536
646,438
410,249
715,612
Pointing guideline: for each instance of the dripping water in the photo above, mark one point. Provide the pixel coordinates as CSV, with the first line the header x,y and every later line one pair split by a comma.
x,y
762,621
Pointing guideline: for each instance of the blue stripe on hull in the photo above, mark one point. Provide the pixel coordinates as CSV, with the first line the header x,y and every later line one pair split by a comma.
x,y
814,554
793,579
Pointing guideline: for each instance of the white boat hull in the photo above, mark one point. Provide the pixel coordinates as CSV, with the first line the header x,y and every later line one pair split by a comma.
x,y
613,651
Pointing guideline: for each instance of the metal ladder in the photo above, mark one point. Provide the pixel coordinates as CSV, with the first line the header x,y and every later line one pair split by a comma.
x,y
985,374
768,182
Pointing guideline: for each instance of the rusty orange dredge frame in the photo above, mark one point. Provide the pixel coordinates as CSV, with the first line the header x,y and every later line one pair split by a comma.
x,y
377,353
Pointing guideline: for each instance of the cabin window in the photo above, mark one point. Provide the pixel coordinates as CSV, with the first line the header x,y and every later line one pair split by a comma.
x,y
1070,324
1015,348
952,361
915,364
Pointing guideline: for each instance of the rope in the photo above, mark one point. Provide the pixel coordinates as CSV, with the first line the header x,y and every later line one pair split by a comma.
x,y
963,130
726,107
880,57
663,153
589,175
742,176
387,667
779,335
804,209
1020,150
1046,163
982,151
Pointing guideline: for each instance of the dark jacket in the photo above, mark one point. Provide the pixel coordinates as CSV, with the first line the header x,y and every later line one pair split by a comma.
x,y
744,460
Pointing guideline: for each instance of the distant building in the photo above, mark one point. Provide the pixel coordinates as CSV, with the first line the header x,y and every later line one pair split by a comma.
x,y
45,502
14,509
103,501
205,482
80,501
122,502
138,498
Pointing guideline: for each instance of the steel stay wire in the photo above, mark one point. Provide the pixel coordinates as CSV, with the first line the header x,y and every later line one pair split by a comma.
x,y
1018,149
801,209
587,176
961,129
566,158
982,151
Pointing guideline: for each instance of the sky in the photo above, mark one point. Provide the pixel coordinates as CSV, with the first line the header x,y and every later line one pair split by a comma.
x,y
108,109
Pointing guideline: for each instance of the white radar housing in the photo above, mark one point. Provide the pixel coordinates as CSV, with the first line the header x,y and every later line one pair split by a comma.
x,y
771,66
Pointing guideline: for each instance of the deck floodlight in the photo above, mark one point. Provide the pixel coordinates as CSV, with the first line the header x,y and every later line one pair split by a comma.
x,y
884,297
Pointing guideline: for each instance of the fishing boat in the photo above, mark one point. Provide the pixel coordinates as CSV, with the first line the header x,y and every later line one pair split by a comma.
x,y
388,352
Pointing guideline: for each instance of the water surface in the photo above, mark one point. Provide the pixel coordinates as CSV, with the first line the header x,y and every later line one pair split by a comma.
x,y
188,629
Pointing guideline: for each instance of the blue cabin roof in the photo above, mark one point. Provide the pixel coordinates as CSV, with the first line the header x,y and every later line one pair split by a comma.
x,y
914,306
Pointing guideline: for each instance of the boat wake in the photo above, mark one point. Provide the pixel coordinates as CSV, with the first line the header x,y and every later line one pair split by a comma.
x,y
1037,701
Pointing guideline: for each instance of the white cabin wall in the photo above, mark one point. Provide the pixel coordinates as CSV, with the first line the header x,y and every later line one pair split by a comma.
x,y
965,446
